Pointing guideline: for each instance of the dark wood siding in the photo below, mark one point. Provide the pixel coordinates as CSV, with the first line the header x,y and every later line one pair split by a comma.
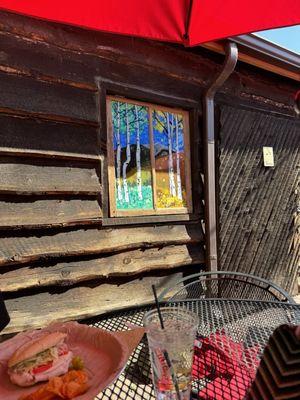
x,y
58,256
55,253
258,205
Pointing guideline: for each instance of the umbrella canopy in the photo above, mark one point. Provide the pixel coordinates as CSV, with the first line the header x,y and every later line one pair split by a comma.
x,y
184,21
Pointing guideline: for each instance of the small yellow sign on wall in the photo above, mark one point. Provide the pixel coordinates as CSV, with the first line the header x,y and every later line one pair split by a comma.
x,y
268,156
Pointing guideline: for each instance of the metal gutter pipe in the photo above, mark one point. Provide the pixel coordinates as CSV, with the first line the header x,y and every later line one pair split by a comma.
x,y
211,242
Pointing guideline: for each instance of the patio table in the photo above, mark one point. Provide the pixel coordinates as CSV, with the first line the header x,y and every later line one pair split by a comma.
x,y
233,334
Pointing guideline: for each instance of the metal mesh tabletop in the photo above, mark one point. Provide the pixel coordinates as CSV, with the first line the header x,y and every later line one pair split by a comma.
x,y
231,338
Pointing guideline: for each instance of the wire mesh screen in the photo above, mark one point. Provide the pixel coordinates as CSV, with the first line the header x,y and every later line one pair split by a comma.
x,y
231,337
135,381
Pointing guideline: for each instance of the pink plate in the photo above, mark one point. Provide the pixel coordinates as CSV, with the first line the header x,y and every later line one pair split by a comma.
x,y
104,355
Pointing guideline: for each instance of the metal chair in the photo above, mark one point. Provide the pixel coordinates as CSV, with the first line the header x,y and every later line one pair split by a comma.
x,y
224,284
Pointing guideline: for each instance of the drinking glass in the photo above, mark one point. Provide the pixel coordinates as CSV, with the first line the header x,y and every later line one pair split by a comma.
x,y
171,351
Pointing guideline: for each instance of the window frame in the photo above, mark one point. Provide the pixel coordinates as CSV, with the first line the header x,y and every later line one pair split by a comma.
x,y
106,87
113,211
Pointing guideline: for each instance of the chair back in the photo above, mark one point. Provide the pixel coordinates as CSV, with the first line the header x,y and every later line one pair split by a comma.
x,y
224,284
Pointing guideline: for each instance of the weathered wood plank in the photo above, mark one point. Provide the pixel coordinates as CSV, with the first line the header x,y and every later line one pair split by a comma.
x,y
123,264
48,213
25,178
15,250
134,51
153,59
101,57
78,303
84,66
31,95
20,152
47,136
148,219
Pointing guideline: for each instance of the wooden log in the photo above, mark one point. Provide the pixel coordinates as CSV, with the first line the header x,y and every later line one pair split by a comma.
x,y
15,250
48,213
82,67
119,265
31,95
151,219
101,57
39,310
47,137
20,152
28,179
106,54
46,58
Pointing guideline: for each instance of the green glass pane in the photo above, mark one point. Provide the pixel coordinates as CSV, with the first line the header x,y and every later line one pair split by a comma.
x,y
133,177
168,137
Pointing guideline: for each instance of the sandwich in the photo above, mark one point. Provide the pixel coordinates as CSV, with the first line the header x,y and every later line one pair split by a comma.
x,y
40,359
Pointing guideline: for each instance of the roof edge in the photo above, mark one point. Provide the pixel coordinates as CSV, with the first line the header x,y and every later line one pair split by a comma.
x,y
268,48
264,54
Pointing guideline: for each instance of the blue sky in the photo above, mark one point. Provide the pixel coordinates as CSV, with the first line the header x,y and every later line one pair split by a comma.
x,y
285,37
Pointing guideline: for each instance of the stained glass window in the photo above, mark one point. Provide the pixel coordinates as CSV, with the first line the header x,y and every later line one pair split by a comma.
x,y
148,153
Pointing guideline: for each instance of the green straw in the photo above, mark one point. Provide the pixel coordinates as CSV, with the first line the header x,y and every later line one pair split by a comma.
x,y
165,353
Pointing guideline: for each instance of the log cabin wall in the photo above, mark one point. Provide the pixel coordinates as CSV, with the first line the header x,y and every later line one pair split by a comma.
x,y
60,259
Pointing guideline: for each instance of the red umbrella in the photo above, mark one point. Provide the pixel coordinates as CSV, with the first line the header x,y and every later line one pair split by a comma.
x,y
185,21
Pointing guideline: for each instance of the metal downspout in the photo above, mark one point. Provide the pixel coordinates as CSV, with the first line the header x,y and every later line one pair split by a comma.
x,y
231,52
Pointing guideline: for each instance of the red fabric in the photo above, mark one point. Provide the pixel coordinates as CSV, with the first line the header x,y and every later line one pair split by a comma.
x,y
216,19
156,19
165,20
220,362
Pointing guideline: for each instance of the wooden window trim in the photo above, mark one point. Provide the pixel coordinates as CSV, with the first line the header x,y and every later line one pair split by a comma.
x,y
114,212
106,88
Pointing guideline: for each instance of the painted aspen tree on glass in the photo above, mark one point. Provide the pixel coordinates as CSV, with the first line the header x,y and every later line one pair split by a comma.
x,y
133,181
168,137
147,155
